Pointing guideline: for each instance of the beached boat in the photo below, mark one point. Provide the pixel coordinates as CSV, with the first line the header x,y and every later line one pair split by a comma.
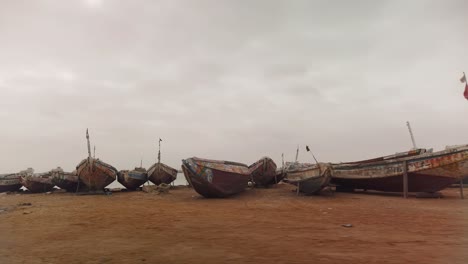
x,y
427,171
309,178
10,182
94,173
263,172
37,182
132,179
215,178
68,181
161,173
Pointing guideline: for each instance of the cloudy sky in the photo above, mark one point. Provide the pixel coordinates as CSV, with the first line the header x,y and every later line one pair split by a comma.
x,y
233,80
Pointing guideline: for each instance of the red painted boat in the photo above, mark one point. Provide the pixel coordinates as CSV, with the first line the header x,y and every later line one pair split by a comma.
x,y
161,173
10,182
37,182
132,179
215,178
263,172
427,172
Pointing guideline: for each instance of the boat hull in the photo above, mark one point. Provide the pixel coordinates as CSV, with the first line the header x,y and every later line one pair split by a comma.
x,y
37,184
132,179
95,174
429,172
161,173
67,181
309,178
216,179
10,183
263,172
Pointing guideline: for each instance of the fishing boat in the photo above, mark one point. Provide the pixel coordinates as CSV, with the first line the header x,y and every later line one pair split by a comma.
x,y
160,173
94,173
427,171
10,182
68,181
263,172
37,182
216,178
309,178
132,179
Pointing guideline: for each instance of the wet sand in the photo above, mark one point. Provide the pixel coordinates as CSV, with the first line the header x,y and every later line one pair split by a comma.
x,y
259,226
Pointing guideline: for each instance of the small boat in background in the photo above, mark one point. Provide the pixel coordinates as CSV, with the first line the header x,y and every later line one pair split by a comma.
x,y
94,173
309,178
132,179
37,182
427,171
160,172
68,181
263,172
216,178
10,182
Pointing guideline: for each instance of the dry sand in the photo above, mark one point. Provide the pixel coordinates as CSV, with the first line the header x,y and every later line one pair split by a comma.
x,y
259,226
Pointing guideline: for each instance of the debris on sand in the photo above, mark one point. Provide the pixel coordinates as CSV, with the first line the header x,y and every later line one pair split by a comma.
x,y
27,212
347,225
159,189
24,204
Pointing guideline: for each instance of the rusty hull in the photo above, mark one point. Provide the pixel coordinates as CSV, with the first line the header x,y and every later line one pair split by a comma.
x,y
310,178
161,173
263,172
95,174
215,179
429,172
132,179
10,182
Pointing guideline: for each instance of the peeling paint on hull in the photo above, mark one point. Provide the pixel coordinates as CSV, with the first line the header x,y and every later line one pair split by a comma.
x,y
310,178
429,172
161,173
95,174
263,172
216,179
10,183
37,184
132,179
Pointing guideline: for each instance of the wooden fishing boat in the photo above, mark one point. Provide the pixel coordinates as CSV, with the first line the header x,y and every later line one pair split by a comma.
x,y
216,178
263,172
94,173
10,182
309,178
427,171
68,181
161,173
37,182
132,179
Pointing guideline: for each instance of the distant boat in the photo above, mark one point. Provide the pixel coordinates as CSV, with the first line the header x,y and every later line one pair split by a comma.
x,y
427,171
132,179
94,173
37,182
215,178
161,173
309,178
263,172
10,182
68,181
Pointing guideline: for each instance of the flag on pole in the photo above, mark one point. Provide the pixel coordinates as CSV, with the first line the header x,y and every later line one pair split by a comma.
x,y
463,78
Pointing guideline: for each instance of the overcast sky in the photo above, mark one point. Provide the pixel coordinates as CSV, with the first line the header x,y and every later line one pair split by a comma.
x,y
232,80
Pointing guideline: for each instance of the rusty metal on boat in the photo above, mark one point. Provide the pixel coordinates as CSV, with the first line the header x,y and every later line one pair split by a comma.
x,y
10,182
215,178
37,182
309,178
161,173
263,172
427,172
132,179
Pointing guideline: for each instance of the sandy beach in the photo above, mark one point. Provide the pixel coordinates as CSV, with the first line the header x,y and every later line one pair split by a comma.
x,y
258,226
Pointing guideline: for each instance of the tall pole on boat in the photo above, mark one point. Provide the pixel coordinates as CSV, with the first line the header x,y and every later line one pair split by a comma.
x,y
411,134
159,151
94,155
89,145
297,152
308,150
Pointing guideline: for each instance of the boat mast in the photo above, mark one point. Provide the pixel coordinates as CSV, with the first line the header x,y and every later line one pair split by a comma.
x,y
89,145
411,134
94,155
159,151
297,153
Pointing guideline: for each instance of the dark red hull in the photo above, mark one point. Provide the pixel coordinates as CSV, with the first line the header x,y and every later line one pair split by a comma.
x,y
263,172
95,174
10,187
213,181
36,186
